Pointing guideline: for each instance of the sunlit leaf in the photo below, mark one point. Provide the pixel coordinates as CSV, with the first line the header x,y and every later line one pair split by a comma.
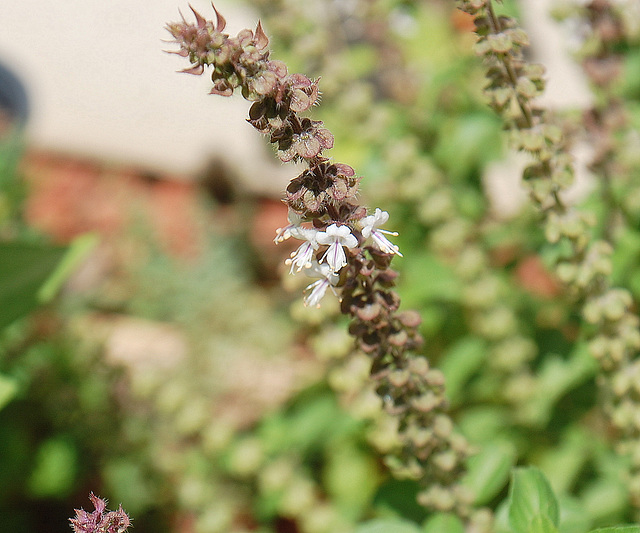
x,y
541,523
75,254
350,477
460,362
488,471
531,502
8,390
387,526
617,529
443,523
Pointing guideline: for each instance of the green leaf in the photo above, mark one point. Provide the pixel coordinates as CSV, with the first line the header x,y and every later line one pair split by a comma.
x,y
24,267
460,362
467,142
531,500
443,523
55,469
75,254
31,274
485,423
556,377
129,481
605,499
308,425
350,477
563,462
631,76
625,255
8,390
387,526
573,518
399,497
488,471
617,529
426,278
542,524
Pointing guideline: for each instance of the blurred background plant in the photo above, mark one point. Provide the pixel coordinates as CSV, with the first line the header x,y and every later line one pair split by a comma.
x,y
175,376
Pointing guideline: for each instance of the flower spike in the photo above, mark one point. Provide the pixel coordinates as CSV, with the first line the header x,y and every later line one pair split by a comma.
x,y
333,251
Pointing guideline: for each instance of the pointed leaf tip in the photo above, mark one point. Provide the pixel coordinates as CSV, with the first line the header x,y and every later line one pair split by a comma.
x,y
220,20
181,53
199,18
196,70
262,41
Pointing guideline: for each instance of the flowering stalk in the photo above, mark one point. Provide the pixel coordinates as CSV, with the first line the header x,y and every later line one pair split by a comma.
x,y
489,305
583,264
344,248
101,520
604,34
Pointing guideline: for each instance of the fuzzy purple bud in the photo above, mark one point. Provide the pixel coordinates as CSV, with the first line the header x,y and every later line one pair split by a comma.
x,y
100,520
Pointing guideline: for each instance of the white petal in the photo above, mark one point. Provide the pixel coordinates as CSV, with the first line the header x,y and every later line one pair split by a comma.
x,y
384,244
301,258
282,234
343,232
324,238
335,257
305,234
319,288
380,217
319,270
350,241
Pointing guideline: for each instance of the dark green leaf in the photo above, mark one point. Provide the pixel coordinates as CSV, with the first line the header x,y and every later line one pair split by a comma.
x,y
31,274
399,496
23,270
557,377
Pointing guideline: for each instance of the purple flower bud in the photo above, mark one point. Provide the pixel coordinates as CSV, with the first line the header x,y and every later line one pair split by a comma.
x,y
100,520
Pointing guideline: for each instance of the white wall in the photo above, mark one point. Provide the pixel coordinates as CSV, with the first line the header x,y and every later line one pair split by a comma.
x,y
100,85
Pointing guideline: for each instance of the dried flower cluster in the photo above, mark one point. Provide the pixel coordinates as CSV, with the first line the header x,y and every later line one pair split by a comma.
x,y
606,33
344,248
583,264
101,520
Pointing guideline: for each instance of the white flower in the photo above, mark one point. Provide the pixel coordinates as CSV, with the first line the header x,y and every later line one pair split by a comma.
x,y
318,288
282,234
303,256
336,237
370,227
